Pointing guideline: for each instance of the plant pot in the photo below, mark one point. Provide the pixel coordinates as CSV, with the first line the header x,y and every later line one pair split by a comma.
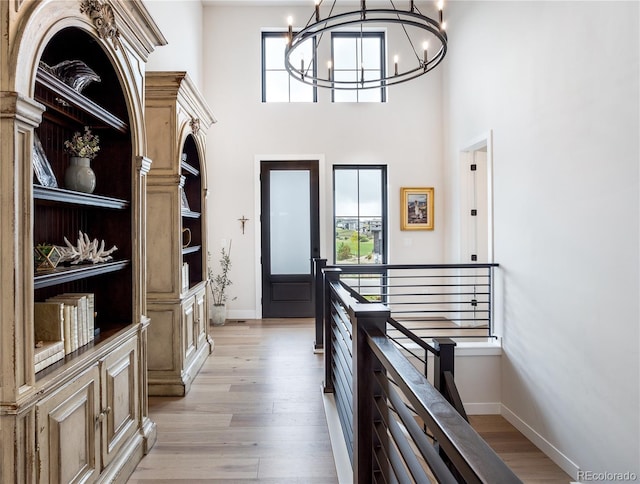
x,y
218,314
79,176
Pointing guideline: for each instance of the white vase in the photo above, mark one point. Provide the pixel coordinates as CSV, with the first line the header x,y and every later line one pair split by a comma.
x,y
218,314
79,176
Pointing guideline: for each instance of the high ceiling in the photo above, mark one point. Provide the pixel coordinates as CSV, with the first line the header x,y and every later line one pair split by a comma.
x,y
284,3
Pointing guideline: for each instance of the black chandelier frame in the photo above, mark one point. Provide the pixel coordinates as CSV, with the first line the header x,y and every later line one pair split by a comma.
x,y
314,30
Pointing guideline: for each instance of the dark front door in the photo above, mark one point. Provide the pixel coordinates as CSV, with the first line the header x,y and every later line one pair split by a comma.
x,y
290,237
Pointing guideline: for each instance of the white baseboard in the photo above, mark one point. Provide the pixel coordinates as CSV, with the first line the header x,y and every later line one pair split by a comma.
x,y
543,444
488,408
339,446
241,314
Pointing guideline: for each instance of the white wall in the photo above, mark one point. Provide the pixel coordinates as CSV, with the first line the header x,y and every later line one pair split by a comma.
x,y
405,133
181,24
557,82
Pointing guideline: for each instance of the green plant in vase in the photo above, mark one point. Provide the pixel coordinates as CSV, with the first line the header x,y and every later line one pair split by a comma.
x,y
218,285
83,148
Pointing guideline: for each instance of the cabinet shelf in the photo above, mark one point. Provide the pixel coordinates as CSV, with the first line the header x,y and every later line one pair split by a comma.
x,y
191,249
77,198
98,340
67,96
60,275
190,214
190,169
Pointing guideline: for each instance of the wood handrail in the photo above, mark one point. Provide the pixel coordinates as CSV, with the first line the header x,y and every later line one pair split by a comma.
x,y
469,453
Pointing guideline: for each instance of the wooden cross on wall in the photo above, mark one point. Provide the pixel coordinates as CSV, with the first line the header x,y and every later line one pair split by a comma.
x,y
243,221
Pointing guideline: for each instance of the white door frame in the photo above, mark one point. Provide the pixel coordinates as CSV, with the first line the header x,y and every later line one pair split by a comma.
x,y
480,143
467,185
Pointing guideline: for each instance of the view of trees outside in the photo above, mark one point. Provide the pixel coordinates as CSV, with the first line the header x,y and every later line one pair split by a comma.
x,y
358,241
359,224
358,215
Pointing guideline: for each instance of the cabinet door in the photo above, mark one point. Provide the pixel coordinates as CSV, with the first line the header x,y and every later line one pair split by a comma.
x,y
119,411
68,432
201,318
188,319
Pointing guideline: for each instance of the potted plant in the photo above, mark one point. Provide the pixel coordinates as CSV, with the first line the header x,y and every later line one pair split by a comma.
x,y
83,148
218,285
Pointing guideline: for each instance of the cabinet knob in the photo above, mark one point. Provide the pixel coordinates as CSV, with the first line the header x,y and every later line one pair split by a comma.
x,y
102,415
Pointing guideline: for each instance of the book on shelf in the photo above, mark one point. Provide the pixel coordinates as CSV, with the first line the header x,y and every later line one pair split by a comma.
x,y
46,349
47,354
48,321
78,318
185,276
68,338
90,313
48,329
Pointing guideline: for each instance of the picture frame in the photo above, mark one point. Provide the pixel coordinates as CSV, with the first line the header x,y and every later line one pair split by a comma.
x,y
416,206
41,166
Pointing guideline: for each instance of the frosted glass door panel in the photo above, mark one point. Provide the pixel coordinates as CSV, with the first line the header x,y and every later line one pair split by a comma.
x,y
290,222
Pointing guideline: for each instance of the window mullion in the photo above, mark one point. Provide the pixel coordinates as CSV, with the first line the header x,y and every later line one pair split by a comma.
x,y
359,215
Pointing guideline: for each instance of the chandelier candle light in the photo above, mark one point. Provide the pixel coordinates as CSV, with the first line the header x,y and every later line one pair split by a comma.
x,y
415,28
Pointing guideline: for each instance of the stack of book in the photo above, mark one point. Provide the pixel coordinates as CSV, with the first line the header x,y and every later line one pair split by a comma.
x,y
67,319
48,333
47,353
185,276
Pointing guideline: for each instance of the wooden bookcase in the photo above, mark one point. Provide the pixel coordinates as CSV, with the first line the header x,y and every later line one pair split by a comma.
x,y
92,404
105,214
177,118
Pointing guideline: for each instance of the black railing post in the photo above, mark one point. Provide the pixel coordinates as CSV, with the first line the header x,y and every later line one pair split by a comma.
x,y
318,265
444,375
366,319
329,275
491,295
444,361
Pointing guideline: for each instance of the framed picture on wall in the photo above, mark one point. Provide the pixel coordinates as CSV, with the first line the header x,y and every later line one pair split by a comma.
x,y
416,206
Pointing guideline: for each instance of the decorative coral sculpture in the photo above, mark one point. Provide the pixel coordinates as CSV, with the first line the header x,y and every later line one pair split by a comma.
x,y
86,251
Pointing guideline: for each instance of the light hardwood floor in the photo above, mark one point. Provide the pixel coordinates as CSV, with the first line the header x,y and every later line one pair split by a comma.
x,y
255,414
524,458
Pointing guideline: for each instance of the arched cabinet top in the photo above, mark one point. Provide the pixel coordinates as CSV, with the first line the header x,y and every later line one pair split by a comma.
x,y
173,95
126,30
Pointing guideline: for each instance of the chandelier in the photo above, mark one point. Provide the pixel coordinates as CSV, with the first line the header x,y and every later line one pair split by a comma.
x,y
419,44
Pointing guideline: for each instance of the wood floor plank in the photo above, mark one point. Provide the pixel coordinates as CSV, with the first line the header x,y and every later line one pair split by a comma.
x,y
255,414
525,459
184,467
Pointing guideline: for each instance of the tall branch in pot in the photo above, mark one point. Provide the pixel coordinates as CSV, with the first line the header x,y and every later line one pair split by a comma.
x,y
220,282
